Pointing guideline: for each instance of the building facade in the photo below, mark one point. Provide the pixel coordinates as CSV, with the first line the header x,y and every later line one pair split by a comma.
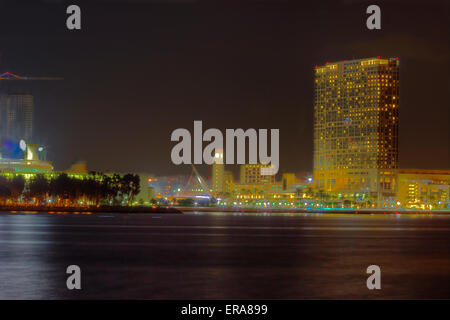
x,y
423,189
356,127
251,174
218,173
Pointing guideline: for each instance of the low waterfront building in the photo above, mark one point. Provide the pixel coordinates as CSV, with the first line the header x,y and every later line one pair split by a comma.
x,y
423,189
23,166
147,190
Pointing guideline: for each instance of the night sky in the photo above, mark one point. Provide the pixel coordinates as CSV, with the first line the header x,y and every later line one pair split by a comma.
x,y
140,69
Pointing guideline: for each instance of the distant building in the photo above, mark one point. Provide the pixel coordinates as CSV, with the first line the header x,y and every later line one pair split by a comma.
x,y
78,168
423,189
288,180
356,127
168,186
218,173
248,191
31,152
16,119
228,183
262,190
13,166
251,174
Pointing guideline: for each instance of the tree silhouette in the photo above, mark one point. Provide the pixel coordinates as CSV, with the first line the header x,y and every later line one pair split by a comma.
x,y
17,185
92,189
5,192
38,188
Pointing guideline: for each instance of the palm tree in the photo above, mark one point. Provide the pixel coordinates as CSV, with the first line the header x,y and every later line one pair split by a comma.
x,y
130,186
5,192
62,187
38,188
17,186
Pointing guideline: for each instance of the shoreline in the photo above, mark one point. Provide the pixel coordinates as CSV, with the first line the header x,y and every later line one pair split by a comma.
x,y
181,210
329,211
99,209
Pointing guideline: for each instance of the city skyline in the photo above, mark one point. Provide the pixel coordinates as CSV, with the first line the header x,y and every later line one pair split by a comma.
x,y
356,116
195,151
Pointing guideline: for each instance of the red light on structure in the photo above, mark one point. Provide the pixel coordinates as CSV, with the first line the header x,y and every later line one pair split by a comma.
x,y
327,62
316,66
378,57
396,58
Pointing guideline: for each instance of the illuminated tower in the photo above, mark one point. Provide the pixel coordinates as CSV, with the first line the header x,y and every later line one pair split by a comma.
x,y
356,127
218,174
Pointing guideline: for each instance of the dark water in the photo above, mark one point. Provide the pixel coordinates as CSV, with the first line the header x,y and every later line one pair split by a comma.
x,y
198,256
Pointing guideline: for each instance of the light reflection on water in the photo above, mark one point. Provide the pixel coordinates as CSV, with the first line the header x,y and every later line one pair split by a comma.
x,y
325,215
224,255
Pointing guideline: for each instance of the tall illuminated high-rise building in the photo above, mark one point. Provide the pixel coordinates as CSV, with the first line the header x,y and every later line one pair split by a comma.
x,y
218,173
356,126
